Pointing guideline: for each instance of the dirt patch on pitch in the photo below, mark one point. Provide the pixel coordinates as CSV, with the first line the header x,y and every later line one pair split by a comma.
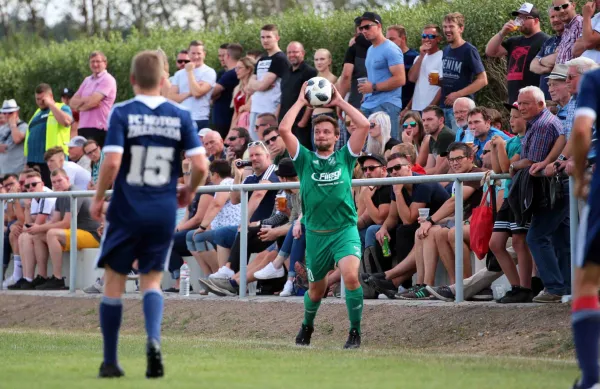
x,y
534,330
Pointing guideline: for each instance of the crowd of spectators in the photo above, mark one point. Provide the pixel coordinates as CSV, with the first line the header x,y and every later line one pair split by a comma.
x,y
424,120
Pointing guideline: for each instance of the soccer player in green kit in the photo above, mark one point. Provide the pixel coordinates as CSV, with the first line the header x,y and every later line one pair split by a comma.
x,y
328,210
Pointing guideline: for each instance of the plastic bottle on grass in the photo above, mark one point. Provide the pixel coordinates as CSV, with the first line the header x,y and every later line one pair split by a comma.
x,y
184,280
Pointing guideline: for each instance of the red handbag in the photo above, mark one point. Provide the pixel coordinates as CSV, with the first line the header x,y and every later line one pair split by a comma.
x,y
482,224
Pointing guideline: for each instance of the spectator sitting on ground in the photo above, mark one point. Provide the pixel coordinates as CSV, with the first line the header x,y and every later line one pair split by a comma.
x,y
215,148
401,224
12,137
96,155
219,213
272,230
414,133
460,157
380,140
77,155
375,199
54,237
78,176
481,125
241,98
37,212
237,139
409,152
440,138
94,99
461,108
275,145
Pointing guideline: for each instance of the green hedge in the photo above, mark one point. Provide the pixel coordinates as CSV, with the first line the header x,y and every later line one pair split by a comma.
x,y
66,64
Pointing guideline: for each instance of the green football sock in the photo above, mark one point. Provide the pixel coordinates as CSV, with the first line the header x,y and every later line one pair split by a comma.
x,y
310,310
354,303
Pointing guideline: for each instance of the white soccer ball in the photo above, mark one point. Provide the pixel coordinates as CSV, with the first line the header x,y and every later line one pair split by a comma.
x,y
318,91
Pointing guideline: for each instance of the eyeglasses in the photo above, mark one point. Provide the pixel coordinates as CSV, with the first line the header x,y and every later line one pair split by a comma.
x,y
233,138
572,76
258,143
271,140
366,27
396,168
429,36
91,151
486,151
372,125
411,124
456,159
183,61
370,168
32,185
564,6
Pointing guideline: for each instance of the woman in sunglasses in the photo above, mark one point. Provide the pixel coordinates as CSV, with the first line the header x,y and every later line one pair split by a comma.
x,y
241,99
412,130
380,140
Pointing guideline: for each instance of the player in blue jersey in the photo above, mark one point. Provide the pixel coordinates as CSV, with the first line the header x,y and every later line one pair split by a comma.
x,y
142,156
585,309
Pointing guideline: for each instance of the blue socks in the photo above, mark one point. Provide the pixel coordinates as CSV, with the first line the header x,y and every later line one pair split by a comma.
x,y
111,313
586,332
153,312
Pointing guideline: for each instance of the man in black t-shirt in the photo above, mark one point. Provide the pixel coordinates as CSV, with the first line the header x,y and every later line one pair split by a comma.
x,y
520,50
354,67
376,199
441,137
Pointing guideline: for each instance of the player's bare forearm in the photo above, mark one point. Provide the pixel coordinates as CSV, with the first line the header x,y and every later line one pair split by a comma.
x,y
359,136
285,127
108,172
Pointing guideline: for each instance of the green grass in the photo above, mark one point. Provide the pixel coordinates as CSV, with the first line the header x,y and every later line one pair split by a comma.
x,y
70,360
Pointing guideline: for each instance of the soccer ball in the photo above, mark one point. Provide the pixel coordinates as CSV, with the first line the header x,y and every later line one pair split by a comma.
x,y
318,91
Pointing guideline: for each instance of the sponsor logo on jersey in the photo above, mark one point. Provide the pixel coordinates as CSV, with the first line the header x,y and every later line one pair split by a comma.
x,y
327,177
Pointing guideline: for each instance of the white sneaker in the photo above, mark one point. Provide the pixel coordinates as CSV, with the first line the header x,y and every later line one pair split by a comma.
x,y
268,272
223,272
288,289
8,282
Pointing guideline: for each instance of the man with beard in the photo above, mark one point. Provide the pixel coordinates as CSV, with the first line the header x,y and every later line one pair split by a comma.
x,y
441,138
329,213
291,84
461,109
520,50
546,58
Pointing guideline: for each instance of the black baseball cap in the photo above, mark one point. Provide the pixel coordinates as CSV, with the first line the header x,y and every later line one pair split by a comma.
x,y
371,16
375,157
286,168
514,105
67,92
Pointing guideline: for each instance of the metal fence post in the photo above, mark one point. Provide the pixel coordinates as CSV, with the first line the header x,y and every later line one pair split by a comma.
x,y
458,241
73,252
2,203
243,242
574,226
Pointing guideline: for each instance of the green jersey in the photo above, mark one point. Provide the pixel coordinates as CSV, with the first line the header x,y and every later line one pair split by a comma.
x,y
326,189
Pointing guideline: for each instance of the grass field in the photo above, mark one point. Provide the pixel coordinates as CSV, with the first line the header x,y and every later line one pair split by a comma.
x,y
71,360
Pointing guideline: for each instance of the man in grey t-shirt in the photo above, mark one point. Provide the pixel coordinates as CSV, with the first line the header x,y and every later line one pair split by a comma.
x,y
12,137
57,237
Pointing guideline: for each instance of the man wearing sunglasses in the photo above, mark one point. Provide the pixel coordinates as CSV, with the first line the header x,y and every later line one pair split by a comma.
x,y
237,143
182,59
520,50
385,71
428,61
573,29
376,199
275,144
401,224
329,210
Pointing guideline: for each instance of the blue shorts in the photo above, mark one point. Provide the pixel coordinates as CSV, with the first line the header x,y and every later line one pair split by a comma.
x,y
121,245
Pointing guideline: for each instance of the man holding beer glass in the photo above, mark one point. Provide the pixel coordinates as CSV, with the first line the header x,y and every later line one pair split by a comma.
x,y
520,50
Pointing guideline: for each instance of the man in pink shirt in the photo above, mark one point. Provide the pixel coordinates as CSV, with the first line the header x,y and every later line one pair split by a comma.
x,y
94,99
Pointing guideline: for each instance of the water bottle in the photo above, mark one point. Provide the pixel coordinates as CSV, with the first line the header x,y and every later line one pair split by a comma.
x,y
184,280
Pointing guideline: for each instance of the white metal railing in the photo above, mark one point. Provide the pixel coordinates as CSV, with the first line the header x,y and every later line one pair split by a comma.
x,y
245,188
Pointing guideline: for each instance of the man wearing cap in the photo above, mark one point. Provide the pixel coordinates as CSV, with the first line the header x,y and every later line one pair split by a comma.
x,y
12,135
573,29
77,155
546,58
375,199
559,92
520,50
354,67
94,99
385,72
66,96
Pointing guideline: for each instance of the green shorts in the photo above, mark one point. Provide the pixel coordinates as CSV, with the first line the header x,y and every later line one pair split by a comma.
x,y
324,250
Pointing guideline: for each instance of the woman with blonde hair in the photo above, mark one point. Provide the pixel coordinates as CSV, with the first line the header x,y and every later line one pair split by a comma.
x,y
164,91
241,98
379,139
323,61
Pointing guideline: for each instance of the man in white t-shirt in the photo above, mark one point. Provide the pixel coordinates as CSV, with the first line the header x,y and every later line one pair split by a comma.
x,y
37,212
265,84
193,85
78,176
429,60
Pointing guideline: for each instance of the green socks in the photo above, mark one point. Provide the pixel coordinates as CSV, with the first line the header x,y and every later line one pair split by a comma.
x,y
354,303
310,310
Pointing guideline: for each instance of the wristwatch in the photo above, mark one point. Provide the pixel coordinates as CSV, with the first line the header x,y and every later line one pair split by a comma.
x,y
511,168
430,220
374,87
